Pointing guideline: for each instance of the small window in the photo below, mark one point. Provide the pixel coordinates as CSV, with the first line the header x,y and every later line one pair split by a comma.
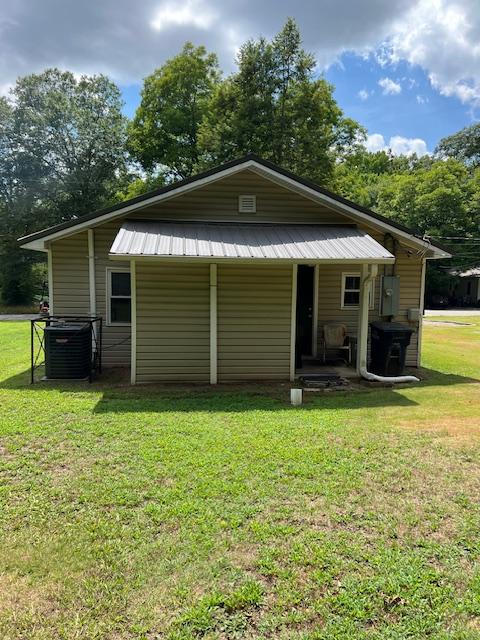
x,y
119,297
247,204
351,291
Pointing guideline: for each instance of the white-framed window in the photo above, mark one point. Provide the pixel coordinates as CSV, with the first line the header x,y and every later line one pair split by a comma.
x,y
351,291
119,296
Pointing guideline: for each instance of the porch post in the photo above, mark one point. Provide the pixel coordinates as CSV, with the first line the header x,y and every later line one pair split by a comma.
x,y
421,307
133,339
368,273
50,280
293,322
213,324
315,311
91,272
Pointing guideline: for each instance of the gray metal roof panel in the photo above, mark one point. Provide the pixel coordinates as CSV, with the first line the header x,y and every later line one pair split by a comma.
x,y
246,241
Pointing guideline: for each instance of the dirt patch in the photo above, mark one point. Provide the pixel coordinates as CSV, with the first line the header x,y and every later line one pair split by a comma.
x,y
19,596
457,430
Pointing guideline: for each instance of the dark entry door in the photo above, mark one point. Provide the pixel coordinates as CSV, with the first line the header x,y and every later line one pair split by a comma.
x,y
305,280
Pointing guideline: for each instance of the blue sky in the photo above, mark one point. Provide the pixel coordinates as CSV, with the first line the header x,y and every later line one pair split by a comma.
x,y
416,111
408,70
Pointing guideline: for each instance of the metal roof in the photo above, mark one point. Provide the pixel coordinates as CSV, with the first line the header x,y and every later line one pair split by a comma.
x,y
474,272
250,241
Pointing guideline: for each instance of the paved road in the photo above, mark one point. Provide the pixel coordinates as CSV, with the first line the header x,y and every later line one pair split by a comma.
x,y
18,316
452,312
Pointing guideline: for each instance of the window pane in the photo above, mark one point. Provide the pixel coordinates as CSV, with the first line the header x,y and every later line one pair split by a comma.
x,y
120,284
352,282
120,310
351,299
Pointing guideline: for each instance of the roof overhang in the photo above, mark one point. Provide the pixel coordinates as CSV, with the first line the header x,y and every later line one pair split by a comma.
x,y
39,241
261,243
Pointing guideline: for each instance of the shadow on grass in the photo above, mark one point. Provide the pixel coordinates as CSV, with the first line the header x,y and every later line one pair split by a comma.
x,y
117,396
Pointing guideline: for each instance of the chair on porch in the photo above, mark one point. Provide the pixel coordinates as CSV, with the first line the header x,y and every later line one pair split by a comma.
x,y
335,338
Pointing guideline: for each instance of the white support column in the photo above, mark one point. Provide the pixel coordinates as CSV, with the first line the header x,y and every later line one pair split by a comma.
x,y
421,306
133,339
50,280
213,324
91,272
293,322
315,311
368,273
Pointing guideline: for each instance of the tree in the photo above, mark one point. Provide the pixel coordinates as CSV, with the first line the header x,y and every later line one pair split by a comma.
x,y
62,152
273,106
174,100
463,145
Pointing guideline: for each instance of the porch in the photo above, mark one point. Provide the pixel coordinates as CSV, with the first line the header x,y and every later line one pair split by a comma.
x,y
224,302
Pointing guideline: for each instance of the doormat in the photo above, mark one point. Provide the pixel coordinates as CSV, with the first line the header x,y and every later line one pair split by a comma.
x,y
323,381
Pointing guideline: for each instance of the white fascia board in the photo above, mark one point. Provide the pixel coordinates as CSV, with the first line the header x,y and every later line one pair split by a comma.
x,y
354,213
287,182
195,184
209,259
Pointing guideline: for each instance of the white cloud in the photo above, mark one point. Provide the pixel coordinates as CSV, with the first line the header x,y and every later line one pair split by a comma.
x,y
390,87
443,37
375,142
109,36
363,94
191,13
398,145
421,99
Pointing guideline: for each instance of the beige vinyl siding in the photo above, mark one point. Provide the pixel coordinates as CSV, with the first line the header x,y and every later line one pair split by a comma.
x,y
173,322
70,275
408,268
116,338
219,201
254,307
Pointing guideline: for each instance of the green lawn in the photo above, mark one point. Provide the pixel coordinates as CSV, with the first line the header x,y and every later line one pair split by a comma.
x,y
154,513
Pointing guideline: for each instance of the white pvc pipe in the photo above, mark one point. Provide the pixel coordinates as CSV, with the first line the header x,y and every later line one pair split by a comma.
x,y
296,397
367,276
394,379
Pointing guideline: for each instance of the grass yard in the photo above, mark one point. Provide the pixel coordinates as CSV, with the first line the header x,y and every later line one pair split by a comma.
x,y
154,513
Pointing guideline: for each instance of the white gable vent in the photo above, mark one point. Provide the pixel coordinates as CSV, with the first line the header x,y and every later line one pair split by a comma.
x,y
247,204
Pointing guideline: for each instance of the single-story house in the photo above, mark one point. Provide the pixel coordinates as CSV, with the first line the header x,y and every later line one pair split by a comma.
x,y
233,273
465,287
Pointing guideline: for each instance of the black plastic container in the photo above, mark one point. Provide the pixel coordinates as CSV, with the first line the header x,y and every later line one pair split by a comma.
x,y
68,351
388,347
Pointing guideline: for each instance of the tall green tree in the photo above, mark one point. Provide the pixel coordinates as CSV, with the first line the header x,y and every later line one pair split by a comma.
x,y
164,131
275,106
62,153
463,145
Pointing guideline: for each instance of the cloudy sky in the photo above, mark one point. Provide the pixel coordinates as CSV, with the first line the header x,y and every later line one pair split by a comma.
x,y
409,70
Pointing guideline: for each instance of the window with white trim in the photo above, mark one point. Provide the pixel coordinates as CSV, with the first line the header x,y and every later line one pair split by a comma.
x,y
351,291
119,296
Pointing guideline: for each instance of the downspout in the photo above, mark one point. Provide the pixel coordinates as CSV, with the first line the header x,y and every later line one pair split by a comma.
x,y
368,274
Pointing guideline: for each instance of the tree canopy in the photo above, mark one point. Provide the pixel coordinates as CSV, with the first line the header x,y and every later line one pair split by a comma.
x,y
62,152
66,149
164,131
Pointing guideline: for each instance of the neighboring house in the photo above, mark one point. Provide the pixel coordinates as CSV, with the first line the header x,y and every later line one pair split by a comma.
x,y
224,275
465,289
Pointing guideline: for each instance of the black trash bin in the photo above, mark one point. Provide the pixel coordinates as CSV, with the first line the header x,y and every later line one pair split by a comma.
x,y
68,350
388,347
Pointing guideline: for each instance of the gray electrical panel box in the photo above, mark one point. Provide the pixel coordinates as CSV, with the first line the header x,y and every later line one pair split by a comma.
x,y
389,295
